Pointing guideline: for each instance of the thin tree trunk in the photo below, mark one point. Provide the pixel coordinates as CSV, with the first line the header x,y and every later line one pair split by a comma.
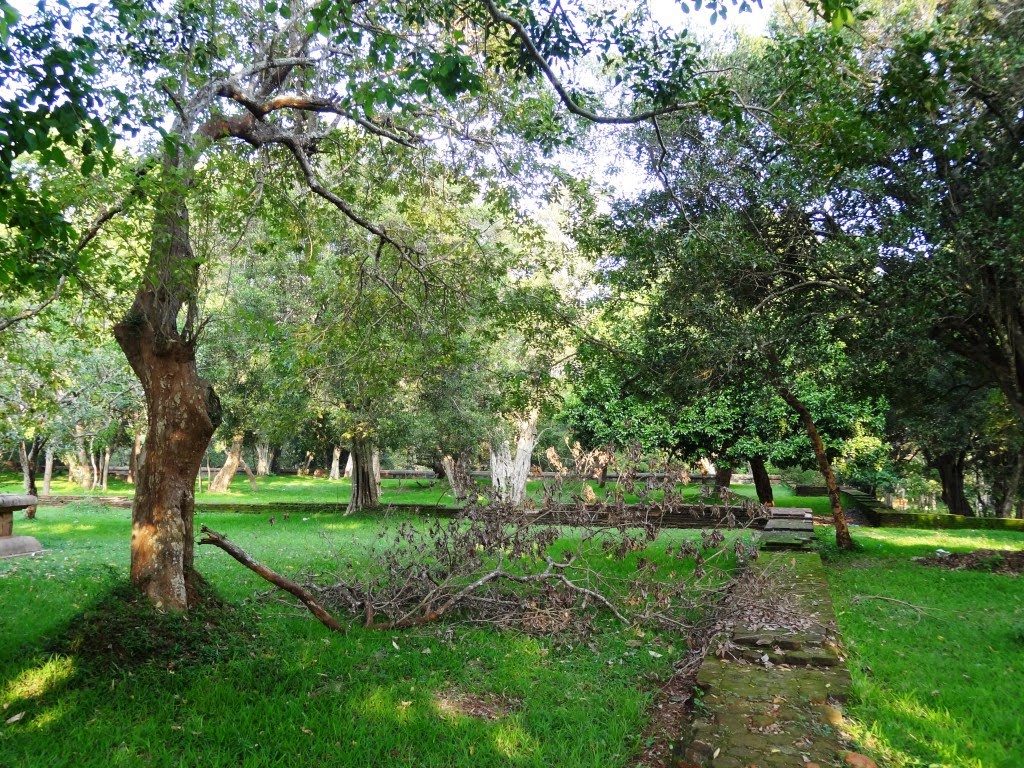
x,y
248,473
375,467
349,462
29,457
762,482
365,487
509,472
48,471
133,459
335,464
92,463
951,467
106,466
843,538
227,472
159,341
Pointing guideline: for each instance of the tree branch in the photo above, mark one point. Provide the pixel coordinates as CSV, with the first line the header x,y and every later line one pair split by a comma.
x,y
303,594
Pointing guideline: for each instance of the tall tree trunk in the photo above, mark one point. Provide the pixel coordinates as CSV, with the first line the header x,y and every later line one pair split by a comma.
x,y
604,460
365,486
82,472
263,456
133,458
94,464
950,466
349,462
227,472
1011,488
182,409
843,538
509,471
48,471
106,466
456,470
762,483
29,457
335,464
723,473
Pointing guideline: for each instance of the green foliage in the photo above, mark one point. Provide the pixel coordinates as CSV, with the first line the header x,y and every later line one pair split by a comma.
x,y
55,112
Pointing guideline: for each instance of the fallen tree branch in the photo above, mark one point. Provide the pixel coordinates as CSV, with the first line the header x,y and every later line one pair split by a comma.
x,y
303,594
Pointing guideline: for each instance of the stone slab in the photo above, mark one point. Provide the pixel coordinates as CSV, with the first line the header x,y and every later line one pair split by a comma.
x,y
11,546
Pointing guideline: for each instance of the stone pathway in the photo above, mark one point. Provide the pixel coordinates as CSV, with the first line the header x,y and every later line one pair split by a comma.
x,y
771,694
789,528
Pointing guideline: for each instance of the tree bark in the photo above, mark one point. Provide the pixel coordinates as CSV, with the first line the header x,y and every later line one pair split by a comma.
x,y
1010,488
232,459
48,471
263,456
509,471
951,466
843,538
93,464
81,471
159,341
365,486
106,466
762,482
335,464
456,470
348,466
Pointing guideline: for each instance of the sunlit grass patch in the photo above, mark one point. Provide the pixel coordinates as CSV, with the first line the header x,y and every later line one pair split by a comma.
x,y
933,673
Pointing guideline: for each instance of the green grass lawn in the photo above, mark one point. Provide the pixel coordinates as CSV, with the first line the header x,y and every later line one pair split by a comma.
x,y
261,684
291,488
943,687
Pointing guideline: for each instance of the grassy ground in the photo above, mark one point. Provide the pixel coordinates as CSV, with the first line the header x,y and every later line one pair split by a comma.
x,y
260,684
290,488
939,686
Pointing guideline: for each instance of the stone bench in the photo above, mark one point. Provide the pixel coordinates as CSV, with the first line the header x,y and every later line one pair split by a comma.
x,y
10,544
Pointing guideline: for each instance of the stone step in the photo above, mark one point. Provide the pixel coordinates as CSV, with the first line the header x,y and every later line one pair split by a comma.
x,y
790,525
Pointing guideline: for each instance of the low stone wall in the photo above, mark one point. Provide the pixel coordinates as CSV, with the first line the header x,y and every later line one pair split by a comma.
x,y
693,516
878,514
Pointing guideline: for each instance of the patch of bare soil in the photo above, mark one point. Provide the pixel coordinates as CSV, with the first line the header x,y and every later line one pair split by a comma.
x,y
991,560
487,706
